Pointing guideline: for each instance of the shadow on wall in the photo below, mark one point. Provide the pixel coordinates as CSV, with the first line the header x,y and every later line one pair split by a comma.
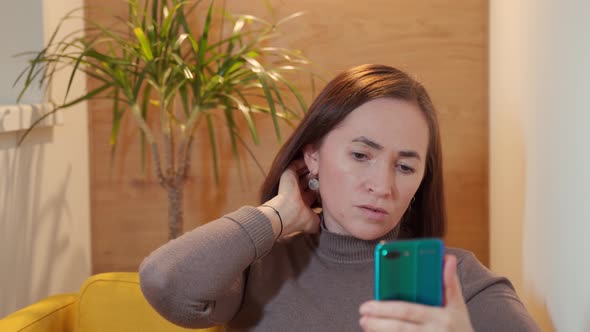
x,y
34,220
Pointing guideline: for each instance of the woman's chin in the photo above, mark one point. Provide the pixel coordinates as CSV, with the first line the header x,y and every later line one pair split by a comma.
x,y
369,233
361,229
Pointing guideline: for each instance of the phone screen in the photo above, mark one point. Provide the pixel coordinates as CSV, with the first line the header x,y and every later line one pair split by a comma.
x,y
410,270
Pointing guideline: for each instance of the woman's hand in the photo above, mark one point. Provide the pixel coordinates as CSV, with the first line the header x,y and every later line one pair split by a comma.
x,y
405,316
293,202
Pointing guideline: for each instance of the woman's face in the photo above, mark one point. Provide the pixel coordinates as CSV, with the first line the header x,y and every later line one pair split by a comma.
x,y
370,166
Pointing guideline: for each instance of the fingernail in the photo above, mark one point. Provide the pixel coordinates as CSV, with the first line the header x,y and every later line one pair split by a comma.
x,y
363,321
365,308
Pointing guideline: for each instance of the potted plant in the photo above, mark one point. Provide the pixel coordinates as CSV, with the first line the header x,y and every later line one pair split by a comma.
x,y
174,81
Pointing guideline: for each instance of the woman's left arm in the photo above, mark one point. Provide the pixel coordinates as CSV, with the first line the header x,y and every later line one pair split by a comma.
x,y
492,302
405,316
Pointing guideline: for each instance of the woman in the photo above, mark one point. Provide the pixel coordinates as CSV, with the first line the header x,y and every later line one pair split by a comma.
x,y
368,154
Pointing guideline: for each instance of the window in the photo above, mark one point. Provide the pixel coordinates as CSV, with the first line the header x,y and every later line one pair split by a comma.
x,y
16,37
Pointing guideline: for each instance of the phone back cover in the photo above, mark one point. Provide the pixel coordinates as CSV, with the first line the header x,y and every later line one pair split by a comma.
x,y
414,276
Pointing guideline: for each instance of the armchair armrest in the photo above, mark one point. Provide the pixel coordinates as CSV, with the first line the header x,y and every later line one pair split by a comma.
x,y
55,313
113,302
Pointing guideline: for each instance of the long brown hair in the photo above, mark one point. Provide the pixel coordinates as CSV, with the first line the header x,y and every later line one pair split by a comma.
x,y
426,216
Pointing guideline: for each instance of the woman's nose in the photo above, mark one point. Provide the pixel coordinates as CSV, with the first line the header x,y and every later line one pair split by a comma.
x,y
381,181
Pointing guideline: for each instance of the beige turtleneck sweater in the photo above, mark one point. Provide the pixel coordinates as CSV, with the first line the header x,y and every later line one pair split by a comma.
x,y
230,271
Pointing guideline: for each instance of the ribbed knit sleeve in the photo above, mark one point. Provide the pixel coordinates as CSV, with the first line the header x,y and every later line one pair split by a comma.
x,y
197,280
491,300
257,227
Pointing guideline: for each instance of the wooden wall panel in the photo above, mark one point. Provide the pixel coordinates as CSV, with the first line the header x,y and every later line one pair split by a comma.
x,y
442,43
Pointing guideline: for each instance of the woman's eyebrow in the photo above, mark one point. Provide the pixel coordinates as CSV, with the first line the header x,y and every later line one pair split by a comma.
x,y
368,142
409,154
372,144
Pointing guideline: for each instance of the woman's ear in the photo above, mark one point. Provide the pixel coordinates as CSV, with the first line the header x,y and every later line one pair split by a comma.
x,y
311,156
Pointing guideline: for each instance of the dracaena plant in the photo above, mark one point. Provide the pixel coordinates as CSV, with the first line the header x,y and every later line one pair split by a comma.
x,y
159,67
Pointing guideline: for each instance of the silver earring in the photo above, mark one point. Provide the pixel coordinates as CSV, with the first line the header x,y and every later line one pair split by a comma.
x,y
313,184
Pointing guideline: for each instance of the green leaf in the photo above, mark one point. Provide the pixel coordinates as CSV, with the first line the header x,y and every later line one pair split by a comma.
x,y
31,73
250,152
271,104
183,67
289,18
145,45
116,124
181,38
278,93
295,92
187,30
155,11
184,99
144,114
152,40
238,26
231,125
87,96
244,107
211,130
204,37
139,81
168,17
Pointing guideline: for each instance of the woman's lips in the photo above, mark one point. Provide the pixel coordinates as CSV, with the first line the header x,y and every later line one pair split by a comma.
x,y
373,213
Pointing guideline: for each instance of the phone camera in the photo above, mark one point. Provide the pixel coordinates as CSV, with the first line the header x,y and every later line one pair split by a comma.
x,y
391,254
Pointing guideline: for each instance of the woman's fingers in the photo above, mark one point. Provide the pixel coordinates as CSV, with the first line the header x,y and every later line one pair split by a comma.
x,y
452,285
299,167
297,171
292,192
375,324
406,311
289,180
406,316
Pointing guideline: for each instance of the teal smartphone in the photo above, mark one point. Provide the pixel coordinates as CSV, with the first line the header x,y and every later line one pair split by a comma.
x,y
410,270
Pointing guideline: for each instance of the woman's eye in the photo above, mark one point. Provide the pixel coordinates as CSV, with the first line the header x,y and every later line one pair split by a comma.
x,y
359,156
405,169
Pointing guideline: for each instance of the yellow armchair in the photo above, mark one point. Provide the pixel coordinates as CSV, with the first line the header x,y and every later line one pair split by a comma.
x,y
106,302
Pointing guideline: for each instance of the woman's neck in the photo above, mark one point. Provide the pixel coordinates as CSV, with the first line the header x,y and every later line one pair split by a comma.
x,y
344,248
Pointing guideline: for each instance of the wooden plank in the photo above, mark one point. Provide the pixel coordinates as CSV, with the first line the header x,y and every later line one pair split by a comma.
x,y
442,43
